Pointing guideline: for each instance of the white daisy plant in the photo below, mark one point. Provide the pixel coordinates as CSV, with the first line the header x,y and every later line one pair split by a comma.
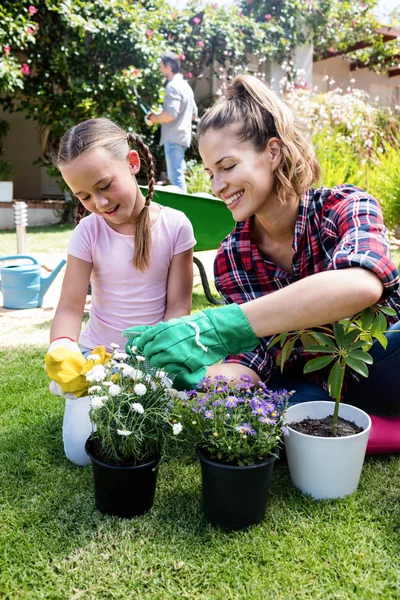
x,y
131,408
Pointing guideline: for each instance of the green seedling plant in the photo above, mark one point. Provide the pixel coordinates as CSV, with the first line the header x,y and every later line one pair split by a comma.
x,y
343,345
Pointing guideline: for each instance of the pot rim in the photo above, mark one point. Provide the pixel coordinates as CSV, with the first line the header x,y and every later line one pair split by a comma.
x,y
330,439
88,443
209,461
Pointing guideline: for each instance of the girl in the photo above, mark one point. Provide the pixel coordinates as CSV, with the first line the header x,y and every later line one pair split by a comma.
x,y
137,254
299,256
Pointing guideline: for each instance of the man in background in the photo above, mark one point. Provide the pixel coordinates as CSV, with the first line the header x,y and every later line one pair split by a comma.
x,y
179,109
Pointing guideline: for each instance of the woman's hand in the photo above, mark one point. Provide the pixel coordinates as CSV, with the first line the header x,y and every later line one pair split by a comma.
x,y
200,339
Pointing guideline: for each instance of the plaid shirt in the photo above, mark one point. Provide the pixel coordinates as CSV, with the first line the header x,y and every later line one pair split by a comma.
x,y
336,228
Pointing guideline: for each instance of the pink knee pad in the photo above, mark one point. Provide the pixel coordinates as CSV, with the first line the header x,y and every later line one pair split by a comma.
x,y
384,437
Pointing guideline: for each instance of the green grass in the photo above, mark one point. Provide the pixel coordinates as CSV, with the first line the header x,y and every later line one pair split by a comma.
x,y
50,238
55,545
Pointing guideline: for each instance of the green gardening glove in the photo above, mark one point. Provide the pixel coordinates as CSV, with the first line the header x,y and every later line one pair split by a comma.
x,y
132,333
200,339
184,380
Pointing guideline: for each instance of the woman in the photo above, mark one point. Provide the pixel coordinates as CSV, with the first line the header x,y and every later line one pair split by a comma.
x,y
299,257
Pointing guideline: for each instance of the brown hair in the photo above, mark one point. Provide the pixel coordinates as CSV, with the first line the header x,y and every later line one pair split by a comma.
x,y
103,133
259,115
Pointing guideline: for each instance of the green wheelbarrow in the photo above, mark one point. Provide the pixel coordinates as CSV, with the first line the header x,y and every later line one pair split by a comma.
x,y
210,218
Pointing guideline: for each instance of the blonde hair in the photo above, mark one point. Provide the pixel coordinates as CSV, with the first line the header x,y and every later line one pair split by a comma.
x,y
103,133
259,115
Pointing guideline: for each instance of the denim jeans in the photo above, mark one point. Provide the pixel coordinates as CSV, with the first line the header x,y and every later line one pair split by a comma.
x,y
380,391
175,159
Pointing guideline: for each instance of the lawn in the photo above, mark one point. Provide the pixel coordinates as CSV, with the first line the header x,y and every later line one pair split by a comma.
x,y
55,545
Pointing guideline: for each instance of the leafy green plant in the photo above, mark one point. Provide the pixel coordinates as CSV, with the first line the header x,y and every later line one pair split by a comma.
x,y
345,344
384,183
6,170
196,178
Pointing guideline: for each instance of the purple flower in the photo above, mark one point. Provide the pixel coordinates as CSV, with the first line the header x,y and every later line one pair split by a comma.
x,y
267,420
285,431
221,378
231,402
217,402
209,414
246,429
204,382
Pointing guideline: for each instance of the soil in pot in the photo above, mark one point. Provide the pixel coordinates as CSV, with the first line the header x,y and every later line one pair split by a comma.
x,y
323,427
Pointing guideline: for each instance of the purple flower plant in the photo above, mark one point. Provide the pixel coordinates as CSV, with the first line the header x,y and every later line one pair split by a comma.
x,y
237,423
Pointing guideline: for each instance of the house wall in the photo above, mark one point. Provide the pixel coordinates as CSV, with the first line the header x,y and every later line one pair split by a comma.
x,y
382,89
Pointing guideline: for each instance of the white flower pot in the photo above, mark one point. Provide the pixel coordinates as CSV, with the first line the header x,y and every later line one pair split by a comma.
x,y
326,467
76,429
6,191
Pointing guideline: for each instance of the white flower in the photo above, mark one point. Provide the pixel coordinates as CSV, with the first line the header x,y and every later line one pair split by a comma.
x,y
134,349
108,383
137,407
132,373
160,374
120,366
140,389
120,355
177,428
114,345
114,390
166,382
97,374
182,396
124,432
94,389
97,402
173,392
140,358
93,357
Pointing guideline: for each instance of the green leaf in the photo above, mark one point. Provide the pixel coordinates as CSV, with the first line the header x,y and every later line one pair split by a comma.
x,y
379,325
360,355
357,365
286,352
382,339
306,339
323,339
274,341
322,349
351,337
387,310
335,380
339,334
367,316
317,363
364,344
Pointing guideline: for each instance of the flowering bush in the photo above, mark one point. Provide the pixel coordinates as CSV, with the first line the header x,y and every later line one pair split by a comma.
x,y
235,424
130,409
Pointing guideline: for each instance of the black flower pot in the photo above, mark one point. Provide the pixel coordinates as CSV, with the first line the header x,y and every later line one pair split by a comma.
x,y
235,497
124,491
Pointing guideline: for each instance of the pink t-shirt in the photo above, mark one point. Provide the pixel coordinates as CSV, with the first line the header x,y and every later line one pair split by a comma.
x,y
123,296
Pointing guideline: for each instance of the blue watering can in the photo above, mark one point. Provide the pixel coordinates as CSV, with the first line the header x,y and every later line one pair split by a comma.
x,y
22,285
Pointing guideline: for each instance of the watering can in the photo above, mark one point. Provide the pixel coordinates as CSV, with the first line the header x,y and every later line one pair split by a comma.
x,y
22,285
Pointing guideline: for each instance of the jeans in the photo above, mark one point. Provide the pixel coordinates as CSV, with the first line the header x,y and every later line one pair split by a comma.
x,y
380,391
175,159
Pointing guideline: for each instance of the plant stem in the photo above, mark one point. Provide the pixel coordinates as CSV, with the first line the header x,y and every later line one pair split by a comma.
x,y
338,397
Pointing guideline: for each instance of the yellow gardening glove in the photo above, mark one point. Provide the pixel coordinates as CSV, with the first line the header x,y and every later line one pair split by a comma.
x,y
65,364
